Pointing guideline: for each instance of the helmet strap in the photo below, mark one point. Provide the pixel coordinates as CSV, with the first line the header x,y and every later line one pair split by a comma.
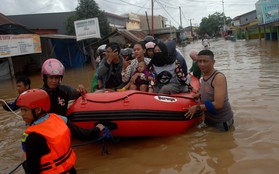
x,y
45,78
35,118
38,115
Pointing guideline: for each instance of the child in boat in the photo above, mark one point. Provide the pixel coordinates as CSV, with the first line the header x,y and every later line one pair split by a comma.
x,y
142,80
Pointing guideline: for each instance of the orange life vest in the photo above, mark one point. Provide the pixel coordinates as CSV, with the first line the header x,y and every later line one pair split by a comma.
x,y
61,157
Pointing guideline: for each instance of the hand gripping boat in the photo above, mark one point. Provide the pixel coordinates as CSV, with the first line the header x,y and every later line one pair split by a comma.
x,y
137,113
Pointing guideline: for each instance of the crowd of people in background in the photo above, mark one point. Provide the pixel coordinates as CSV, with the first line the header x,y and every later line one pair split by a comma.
x,y
155,77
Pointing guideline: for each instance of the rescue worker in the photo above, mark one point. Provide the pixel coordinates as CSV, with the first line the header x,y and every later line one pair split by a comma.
x,y
47,139
52,73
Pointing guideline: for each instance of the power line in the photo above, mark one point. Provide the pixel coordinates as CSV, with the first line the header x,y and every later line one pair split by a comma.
x,y
146,2
167,12
133,4
48,4
166,4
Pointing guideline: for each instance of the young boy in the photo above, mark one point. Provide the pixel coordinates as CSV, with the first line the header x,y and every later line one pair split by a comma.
x,y
23,83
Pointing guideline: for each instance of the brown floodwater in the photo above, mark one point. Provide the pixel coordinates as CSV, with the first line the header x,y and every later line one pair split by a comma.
x,y
251,147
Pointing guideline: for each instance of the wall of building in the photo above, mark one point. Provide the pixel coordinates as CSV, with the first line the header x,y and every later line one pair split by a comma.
x,y
132,25
248,18
116,21
159,22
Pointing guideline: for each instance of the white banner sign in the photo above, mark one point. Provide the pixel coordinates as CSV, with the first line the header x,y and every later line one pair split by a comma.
x,y
14,45
87,29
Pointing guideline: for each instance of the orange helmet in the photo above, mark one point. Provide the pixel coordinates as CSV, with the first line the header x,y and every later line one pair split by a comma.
x,y
34,98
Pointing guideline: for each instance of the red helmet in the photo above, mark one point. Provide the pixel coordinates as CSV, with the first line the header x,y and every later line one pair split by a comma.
x,y
52,67
34,98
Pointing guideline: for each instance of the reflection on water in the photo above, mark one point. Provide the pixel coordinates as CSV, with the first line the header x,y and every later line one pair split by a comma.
x,y
252,71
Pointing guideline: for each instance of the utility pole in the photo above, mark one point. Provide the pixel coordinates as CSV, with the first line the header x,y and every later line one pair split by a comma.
x,y
191,27
180,17
152,20
224,17
147,22
171,31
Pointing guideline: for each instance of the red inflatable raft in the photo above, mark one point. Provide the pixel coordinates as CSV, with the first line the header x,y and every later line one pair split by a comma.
x,y
136,113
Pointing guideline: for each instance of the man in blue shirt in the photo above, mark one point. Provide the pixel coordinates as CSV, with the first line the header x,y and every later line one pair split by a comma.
x,y
23,83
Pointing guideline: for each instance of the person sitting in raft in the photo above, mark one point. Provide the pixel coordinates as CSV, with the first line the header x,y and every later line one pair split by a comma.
x,y
166,72
97,83
149,38
101,50
149,49
142,80
52,74
127,54
175,52
23,83
127,58
195,68
110,68
46,141
213,94
139,51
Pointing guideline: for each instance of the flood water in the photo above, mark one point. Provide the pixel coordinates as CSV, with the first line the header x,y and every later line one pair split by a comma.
x,y
252,147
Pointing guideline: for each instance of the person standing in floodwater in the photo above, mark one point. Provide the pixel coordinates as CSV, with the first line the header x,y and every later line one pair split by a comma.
x,y
213,93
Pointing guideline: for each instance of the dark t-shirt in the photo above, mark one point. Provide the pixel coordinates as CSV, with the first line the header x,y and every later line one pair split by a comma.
x,y
115,79
60,97
196,70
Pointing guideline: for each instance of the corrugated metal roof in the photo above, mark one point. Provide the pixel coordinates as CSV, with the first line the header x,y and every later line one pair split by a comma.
x,y
9,26
44,20
58,36
5,20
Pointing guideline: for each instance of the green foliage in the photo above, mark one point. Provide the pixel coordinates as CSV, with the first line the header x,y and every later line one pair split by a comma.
x,y
85,10
213,24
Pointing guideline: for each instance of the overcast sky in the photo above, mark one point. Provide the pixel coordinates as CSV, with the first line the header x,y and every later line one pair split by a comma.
x,y
191,9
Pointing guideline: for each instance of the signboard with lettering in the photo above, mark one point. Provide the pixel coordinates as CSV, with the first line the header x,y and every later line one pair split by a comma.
x,y
15,45
87,29
267,11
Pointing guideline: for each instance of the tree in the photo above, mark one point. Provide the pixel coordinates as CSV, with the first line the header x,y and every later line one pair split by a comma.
x,y
85,10
213,24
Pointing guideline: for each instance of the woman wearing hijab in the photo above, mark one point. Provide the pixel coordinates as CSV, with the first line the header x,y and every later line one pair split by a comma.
x,y
167,75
